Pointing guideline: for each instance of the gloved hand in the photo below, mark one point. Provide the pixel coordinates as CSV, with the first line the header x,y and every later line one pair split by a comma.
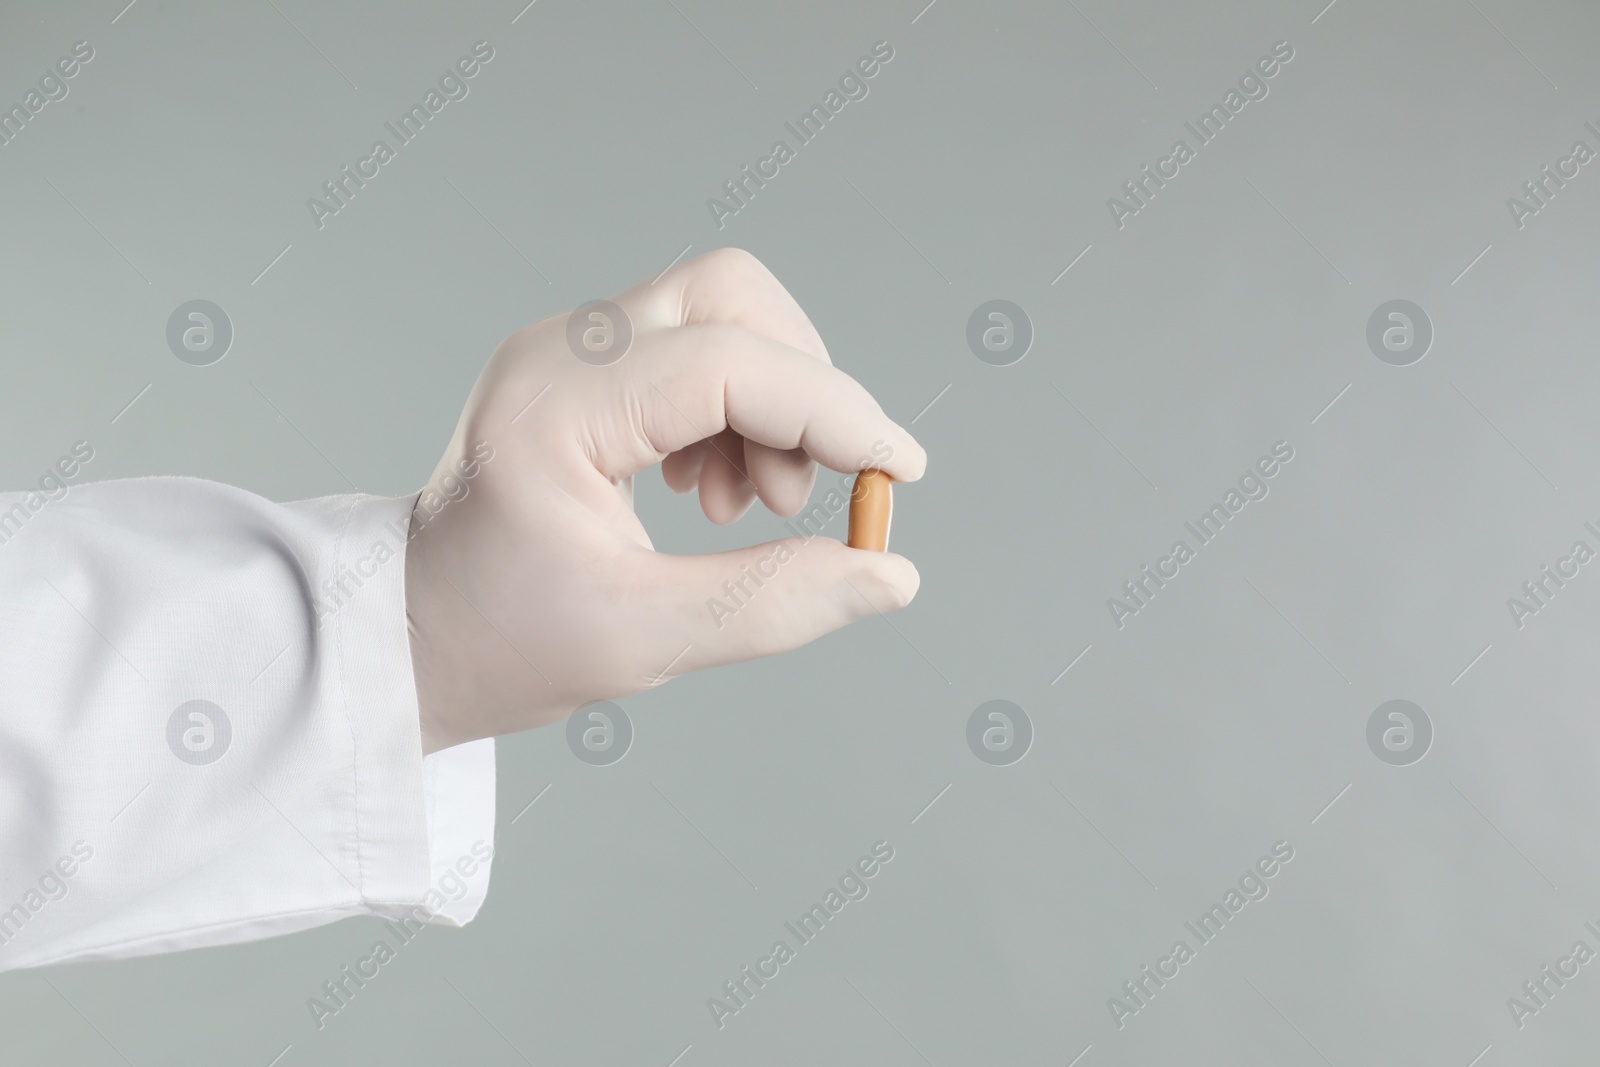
x,y
539,590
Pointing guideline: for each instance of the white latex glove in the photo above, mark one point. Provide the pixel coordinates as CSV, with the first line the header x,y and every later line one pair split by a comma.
x,y
538,590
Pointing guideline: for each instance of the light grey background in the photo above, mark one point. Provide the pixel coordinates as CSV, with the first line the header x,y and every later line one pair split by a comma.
x,y
1222,318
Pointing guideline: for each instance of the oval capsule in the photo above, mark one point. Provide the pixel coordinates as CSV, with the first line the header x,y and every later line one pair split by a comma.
x,y
871,506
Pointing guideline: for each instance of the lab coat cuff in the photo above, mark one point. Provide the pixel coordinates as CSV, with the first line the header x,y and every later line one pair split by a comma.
x,y
460,796
416,819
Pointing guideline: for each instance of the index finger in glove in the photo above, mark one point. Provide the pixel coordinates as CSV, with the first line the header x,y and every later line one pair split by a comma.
x,y
696,381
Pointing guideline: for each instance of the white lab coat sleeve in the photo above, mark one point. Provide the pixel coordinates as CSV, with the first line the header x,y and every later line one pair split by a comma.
x,y
208,725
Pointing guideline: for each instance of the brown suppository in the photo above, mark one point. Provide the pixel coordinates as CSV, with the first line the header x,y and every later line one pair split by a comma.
x,y
871,506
